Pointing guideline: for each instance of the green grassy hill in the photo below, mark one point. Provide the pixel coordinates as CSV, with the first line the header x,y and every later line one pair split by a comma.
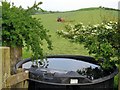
x,y
86,16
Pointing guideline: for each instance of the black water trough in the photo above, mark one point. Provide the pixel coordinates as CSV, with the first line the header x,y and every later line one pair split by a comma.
x,y
61,72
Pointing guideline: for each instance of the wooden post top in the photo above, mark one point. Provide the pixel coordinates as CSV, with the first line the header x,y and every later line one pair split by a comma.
x,y
4,47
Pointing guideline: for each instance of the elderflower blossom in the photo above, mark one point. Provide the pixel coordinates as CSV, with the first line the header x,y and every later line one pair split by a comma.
x,y
84,29
116,22
96,25
95,30
77,32
81,23
111,22
74,36
108,27
65,33
83,26
102,23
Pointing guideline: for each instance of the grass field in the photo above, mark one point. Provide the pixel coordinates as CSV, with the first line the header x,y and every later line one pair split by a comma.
x,y
86,16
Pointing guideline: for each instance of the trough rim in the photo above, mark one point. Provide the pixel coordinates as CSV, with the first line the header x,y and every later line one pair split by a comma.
x,y
76,57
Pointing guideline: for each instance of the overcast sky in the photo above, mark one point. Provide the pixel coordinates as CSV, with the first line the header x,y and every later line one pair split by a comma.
x,y
67,5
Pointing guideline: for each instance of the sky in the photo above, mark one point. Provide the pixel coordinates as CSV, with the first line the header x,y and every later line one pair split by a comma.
x,y
67,5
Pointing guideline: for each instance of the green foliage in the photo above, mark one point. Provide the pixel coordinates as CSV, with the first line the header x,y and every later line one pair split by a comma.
x,y
101,40
0,11
34,9
21,30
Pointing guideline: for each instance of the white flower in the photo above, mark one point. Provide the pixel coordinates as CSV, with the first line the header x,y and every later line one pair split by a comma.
x,y
84,29
108,27
75,29
93,33
96,25
75,37
77,32
111,22
81,23
62,30
83,26
95,30
65,33
116,22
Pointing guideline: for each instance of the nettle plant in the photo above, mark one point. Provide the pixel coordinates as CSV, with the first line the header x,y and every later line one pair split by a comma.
x,y
20,29
101,40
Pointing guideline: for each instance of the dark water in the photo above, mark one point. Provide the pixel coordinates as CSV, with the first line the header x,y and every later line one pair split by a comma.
x,y
63,64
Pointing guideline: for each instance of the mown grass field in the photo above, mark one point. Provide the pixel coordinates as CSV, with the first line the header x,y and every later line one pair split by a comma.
x,y
86,16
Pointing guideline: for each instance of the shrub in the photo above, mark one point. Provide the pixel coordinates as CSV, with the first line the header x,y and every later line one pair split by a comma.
x,y
20,29
101,40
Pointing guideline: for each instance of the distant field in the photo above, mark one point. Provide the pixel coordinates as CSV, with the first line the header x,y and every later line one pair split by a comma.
x,y
86,16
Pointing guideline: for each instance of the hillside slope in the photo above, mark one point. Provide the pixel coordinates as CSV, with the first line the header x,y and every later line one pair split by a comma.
x,y
86,16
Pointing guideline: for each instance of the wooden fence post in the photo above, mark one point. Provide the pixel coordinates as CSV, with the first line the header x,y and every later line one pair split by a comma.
x,y
15,56
4,65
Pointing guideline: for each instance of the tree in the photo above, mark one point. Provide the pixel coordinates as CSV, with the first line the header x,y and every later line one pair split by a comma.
x,y
20,29
101,40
